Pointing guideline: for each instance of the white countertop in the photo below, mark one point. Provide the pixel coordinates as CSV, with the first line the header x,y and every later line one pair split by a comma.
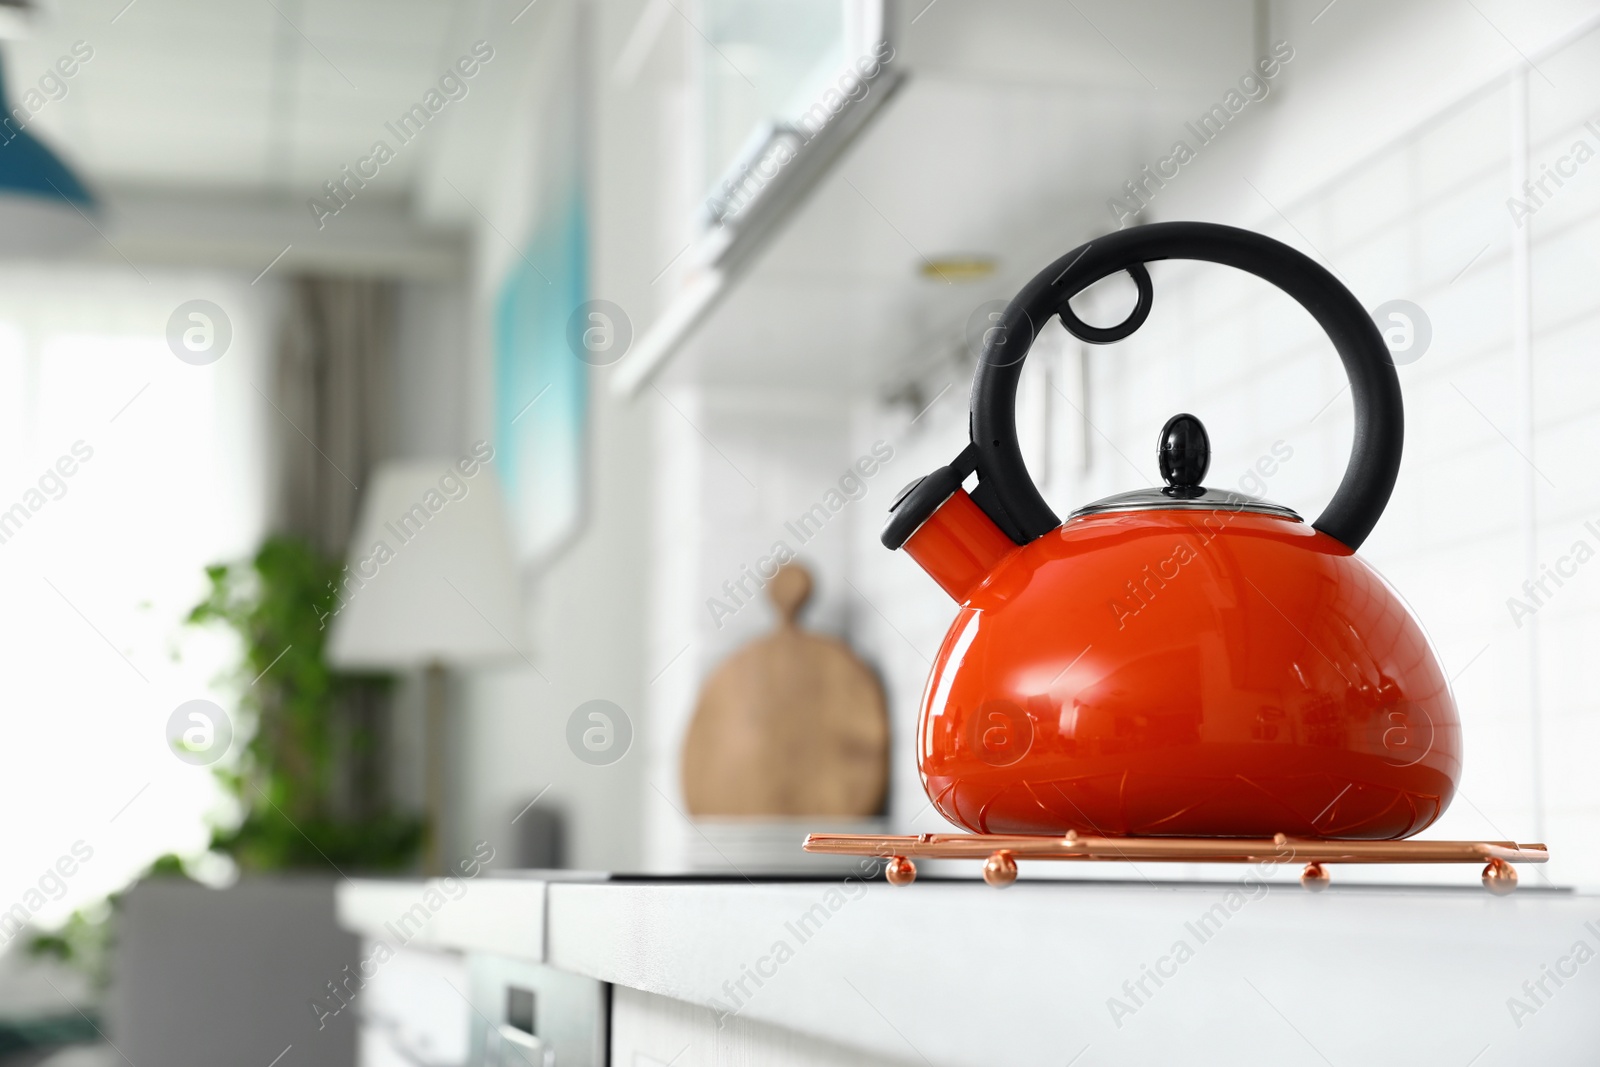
x,y
957,973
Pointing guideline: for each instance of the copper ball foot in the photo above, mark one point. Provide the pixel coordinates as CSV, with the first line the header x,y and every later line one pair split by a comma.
x,y
1315,878
1001,869
1499,877
900,871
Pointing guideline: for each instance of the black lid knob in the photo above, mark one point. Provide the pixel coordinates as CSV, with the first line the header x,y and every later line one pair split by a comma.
x,y
1184,452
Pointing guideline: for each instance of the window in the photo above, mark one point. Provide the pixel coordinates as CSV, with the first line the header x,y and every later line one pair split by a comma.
x,y
123,472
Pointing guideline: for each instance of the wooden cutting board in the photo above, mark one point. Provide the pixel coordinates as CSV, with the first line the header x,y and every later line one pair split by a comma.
x,y
791,724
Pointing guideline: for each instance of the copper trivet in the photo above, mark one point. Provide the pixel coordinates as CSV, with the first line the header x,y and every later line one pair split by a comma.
x,y
1000,853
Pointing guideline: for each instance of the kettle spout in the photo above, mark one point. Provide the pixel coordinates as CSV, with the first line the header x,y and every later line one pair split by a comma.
x,y
958,545
946,531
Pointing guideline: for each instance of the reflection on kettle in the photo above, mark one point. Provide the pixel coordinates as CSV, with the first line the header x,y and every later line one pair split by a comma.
x,y
1182,661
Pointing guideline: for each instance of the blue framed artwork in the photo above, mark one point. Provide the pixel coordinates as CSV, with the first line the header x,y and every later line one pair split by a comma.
x,y
541,386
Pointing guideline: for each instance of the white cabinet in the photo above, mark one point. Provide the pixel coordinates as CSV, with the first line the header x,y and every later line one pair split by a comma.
x,y
414,1010
795,973
653,1031
526,1014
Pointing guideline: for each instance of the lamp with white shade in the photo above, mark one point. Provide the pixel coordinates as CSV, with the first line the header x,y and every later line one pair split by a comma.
x,y
431,583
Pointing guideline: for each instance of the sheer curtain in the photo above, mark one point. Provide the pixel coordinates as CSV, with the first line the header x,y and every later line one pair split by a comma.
x,y
123,472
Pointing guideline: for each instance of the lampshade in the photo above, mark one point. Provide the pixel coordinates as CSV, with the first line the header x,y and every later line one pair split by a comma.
x,y
43,204
431,577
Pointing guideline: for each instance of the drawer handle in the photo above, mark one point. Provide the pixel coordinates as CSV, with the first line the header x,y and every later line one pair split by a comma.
x,y
518,1048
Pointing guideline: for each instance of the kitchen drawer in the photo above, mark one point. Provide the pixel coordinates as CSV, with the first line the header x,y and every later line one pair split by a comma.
x,y
654,1031
529,1015
412,1010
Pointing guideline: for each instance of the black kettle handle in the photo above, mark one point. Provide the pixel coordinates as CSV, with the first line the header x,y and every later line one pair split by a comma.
x,y
1006,492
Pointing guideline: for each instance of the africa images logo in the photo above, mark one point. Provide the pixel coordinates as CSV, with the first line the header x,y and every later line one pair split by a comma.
x,y
453,84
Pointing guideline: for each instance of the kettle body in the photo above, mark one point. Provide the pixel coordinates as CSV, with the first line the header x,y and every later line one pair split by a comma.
x,y
1218,674
1177,661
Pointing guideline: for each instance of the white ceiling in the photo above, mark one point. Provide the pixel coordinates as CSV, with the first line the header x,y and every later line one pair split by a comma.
x,y
205,126
236,94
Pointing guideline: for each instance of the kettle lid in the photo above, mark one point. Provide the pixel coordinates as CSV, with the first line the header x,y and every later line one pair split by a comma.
x,y
1184,455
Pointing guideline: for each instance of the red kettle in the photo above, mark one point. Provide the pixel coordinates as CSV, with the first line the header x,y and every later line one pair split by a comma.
x,y
1177,661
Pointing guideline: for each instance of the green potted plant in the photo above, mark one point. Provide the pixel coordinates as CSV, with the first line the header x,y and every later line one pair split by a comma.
x,y
310,780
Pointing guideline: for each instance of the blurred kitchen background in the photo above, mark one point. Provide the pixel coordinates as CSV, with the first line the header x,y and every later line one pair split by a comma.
x,y
631,288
